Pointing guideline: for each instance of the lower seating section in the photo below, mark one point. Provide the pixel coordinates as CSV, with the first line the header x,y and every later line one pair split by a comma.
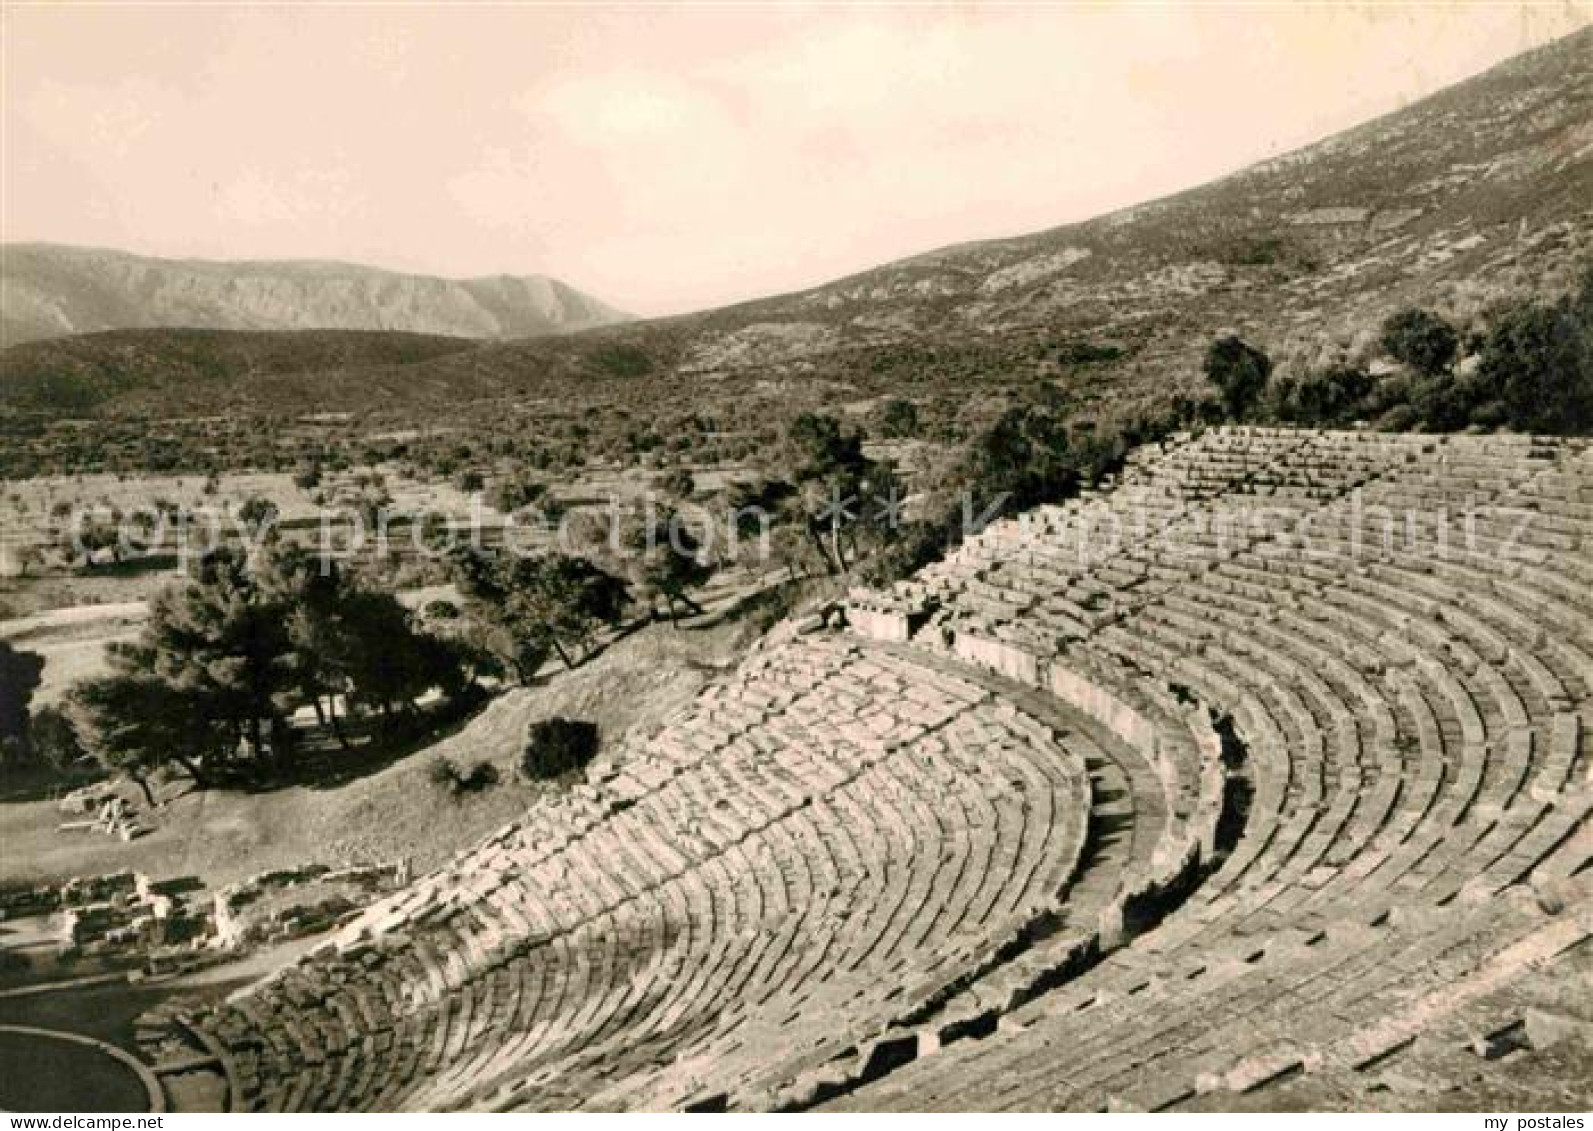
x,y
1406,662
824,843
1250,774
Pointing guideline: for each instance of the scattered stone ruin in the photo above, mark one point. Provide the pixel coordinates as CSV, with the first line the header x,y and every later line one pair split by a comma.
x,y
100,808
291,903
126,919
1235,776
116,915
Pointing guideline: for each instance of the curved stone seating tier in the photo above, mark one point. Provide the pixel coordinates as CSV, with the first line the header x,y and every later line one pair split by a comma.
x,y
1414,714
1342,997
1267,758
1078,566
1157,798
834,840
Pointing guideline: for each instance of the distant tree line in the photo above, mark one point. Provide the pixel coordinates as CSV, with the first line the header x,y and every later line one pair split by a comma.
x,y
211,685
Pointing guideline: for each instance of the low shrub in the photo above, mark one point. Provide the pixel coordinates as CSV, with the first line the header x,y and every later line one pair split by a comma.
x,y
558,746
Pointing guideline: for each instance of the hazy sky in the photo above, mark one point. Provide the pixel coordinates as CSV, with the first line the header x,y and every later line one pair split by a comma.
x,y
672,159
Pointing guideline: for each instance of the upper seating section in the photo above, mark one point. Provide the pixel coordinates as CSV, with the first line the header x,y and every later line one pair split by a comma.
x,y
1403,645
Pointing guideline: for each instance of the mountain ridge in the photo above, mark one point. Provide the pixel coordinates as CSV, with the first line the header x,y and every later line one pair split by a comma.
x,y
1476,194
50,290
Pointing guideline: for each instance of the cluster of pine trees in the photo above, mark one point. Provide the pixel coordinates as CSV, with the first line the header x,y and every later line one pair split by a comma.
x,y
227,657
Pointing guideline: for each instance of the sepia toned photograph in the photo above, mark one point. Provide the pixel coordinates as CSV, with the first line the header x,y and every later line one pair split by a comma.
x,y
795,558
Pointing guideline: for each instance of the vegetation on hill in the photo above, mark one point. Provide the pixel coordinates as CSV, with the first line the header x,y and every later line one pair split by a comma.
x,y
19,678
661,558
211,682
459,780
856,430
1239,372
522,608
1524,365
558,746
